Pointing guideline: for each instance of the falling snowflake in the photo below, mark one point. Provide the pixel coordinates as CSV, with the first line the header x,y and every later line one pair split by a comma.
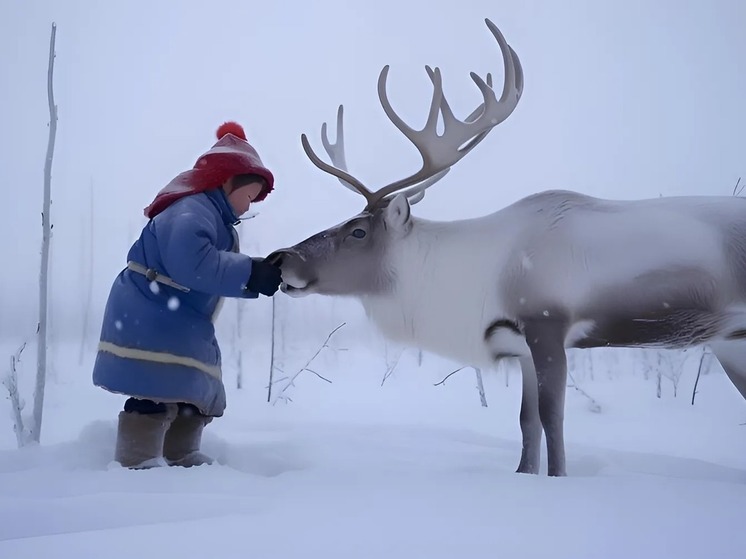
x,y
154,287
118,324
173,303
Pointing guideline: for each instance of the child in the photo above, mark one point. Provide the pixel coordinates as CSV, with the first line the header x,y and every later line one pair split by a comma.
x,y
158,342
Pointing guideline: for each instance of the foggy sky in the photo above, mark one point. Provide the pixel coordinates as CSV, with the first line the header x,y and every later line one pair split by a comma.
x,y
622,99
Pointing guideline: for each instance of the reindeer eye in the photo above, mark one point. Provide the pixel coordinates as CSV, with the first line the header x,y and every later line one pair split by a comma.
x,y
358,233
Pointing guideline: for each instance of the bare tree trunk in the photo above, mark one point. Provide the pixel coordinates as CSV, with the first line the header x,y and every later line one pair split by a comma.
x,y
646,366
239,344
272,350
89,283
41,370
480,387
658,376
702,359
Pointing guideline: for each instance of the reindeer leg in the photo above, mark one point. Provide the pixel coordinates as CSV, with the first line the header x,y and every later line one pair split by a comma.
x,y
545,339
530,421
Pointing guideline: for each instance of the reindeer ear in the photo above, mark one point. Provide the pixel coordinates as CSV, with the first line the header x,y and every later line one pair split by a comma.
x,y
397,212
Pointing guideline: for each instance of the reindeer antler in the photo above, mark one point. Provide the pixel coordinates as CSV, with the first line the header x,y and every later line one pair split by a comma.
x,y
439,152
336,152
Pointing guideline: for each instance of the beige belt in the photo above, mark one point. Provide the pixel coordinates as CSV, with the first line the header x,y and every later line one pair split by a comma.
x,y
152,275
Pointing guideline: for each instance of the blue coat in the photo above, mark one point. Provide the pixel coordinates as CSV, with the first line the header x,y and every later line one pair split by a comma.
x,y
157,341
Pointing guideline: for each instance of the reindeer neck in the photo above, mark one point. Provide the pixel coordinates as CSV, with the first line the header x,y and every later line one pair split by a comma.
x,y
446,290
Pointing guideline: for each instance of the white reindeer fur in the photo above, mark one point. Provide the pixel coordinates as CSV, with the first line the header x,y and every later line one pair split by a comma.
x,y
555,247
445,294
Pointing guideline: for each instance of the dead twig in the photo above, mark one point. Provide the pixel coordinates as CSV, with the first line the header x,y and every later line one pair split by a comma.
x,y
448,376
480,384
593,406
736,190
317,374
305,368
390,367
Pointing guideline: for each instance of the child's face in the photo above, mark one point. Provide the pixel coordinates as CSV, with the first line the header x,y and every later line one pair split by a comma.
x,y
242,197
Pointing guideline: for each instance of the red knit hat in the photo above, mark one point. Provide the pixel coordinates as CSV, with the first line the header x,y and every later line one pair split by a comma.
x,y
231,155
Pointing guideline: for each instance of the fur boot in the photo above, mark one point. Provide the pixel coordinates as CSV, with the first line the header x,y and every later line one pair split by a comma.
x,y
140,438
183,439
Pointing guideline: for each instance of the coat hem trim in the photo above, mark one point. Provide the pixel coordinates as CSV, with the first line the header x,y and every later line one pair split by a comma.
x,y
160,357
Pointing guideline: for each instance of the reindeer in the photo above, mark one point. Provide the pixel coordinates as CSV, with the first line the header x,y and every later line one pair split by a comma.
x,y
553,271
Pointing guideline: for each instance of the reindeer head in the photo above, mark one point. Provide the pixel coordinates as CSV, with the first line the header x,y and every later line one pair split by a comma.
x,y
354,257
350,258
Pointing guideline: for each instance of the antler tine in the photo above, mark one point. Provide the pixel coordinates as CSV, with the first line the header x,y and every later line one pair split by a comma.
x,y
471,118
439,152
513,85
412,135
517,71
417,193
341,174
432,116
336,150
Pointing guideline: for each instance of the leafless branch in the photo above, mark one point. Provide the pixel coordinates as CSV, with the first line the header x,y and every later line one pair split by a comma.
x,y
317,374
593,405
283,397
272,350
480,384
291,380
390,367
736,190
448,376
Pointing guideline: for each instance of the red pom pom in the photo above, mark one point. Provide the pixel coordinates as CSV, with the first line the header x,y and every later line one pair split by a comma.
x,y
231,128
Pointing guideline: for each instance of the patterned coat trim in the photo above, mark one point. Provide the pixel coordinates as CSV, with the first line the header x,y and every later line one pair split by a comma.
x,y
160,357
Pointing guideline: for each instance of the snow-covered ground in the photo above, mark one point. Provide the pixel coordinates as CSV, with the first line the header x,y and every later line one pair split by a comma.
x,y
357,469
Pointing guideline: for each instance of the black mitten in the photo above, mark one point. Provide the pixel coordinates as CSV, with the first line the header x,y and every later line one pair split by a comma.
x,y
265,278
